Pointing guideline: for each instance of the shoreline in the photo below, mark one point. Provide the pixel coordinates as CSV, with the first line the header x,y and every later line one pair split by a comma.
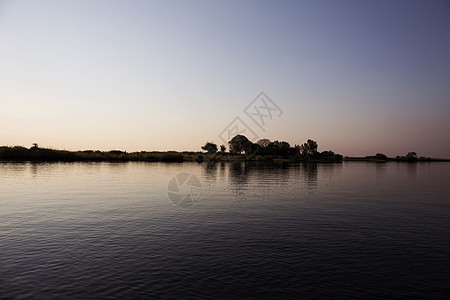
x,y
392,159
20,154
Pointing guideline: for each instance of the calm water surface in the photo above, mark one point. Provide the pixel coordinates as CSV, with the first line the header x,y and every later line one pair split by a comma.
x,y
109,230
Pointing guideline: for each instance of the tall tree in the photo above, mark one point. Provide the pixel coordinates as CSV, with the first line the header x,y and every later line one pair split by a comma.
x,y
239,143
263,142
309,148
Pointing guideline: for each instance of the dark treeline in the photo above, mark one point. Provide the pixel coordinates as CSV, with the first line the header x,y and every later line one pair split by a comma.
x,y
240,148
35,153
379,157
265,149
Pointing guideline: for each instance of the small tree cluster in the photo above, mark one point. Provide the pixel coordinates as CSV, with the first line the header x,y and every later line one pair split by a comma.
x,y
210,148
309,149
266,149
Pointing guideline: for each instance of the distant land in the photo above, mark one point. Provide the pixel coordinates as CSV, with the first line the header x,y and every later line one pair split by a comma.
x,y
240,149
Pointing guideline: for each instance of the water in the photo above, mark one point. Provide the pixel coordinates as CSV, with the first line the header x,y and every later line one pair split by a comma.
x,y
109,230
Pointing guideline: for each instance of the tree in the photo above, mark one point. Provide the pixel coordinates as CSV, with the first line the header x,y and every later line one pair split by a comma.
x,y
309,148
328,153
295,150
263,142
281,148
222,149
210,147
239,143
282,145
381,156
411,156
254,149
35,146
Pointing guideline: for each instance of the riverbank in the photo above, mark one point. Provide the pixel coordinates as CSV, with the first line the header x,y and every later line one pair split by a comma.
x,y
397,159
19,153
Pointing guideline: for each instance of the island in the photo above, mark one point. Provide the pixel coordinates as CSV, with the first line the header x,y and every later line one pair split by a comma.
x,y
240,149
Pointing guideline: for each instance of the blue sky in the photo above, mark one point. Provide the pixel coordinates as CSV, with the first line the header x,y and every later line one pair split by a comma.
x,y
359,77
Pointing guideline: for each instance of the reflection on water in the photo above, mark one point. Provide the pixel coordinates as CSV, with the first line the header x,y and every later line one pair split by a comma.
x,y
412,171
210,171
310,173
239,174
108,230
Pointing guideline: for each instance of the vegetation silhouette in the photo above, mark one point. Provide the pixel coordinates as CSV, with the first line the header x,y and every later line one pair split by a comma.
x,y
223,149
409,157
19,153
265,149
240,149
210,148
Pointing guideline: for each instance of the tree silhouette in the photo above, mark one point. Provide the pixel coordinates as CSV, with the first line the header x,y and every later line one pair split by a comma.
x,y
309,148
239,143
210,147
222,149
263,142
277,148
411,156
381,156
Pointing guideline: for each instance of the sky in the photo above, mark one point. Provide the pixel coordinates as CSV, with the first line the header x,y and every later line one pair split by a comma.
x,y
359,77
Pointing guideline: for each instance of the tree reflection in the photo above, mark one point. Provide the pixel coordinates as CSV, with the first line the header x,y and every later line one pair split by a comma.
x,y
262,180
210,171
412,171
238,178
222,171
258,177
310,175
34,169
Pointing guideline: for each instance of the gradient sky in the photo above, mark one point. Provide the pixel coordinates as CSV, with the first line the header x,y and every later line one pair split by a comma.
x,y
359,77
